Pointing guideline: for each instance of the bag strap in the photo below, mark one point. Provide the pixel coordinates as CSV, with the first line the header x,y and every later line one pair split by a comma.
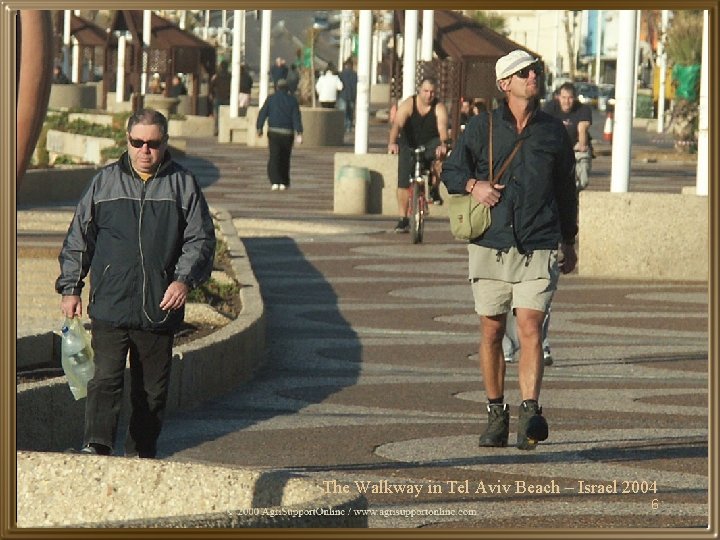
x,y
509,158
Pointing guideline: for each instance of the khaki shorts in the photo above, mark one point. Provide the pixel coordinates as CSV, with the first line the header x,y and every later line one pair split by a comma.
x,y
504,281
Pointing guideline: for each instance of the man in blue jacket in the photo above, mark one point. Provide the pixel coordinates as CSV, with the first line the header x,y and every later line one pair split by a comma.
x,y
143,231
349,79
282,112
515,263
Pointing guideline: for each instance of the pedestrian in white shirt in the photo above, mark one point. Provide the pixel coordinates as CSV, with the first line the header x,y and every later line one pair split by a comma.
x,y
327,88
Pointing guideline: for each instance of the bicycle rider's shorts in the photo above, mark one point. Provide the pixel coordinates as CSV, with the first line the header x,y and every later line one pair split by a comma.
x,y
503,281
406,164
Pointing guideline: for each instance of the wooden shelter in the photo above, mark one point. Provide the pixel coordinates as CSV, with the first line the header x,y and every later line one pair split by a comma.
x,y
172,50
91,39
466,52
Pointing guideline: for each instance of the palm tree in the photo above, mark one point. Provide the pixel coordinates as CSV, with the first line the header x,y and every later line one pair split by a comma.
x,y
684,50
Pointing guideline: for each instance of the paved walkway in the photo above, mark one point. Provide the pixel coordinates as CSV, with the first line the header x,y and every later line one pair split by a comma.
x,y
372,381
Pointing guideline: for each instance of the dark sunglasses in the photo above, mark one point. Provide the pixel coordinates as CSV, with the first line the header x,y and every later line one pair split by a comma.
x,y
524,73
139,143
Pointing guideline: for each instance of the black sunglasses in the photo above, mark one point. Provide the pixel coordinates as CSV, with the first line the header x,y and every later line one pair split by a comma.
x,y
524,73
139,143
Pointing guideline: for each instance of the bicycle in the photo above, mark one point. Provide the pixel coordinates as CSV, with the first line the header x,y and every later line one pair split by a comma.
x,y
419,198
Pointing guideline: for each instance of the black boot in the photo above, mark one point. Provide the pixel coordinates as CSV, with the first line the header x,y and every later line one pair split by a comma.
x,y
496,433
532,426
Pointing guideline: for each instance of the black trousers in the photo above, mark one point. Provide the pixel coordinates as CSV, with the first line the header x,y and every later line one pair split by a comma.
x,y
278,167
150,361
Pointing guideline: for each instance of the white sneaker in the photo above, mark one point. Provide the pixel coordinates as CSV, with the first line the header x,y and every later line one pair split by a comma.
x,y
275,187
282,187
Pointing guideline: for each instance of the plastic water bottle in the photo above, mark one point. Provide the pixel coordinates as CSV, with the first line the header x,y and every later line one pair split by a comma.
x,y
76,357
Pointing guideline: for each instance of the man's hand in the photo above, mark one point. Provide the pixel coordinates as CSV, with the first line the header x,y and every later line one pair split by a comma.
x,y
259,133
298,139
71,305
175,296
484,192
567,259
441,151
393,148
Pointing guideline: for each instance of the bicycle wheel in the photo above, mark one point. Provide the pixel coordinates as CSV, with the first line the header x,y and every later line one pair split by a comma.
x,y
417,214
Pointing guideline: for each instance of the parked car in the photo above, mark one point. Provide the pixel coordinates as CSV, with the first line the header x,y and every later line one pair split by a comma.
x,y
587,93
606,92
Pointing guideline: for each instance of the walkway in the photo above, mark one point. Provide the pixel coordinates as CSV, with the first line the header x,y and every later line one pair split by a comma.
x,y
372,381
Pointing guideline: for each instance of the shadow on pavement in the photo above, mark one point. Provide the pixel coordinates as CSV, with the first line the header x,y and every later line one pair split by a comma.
x,y
294,293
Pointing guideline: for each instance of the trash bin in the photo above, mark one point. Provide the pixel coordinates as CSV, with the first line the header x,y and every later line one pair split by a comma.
x,y
351,190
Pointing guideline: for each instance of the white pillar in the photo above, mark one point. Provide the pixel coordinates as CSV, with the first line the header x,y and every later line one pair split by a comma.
x,y
120,78
241,44
637,61
206,25
183,18
662,66
66,43
409,52
426,49
235,74
598,49
362,103
375,53
265,55
556,72
701,184
624,83
147,14
345,31
75,69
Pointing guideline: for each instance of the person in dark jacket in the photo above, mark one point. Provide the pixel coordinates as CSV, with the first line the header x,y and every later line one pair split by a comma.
x,y
516,263
143,231
282,112
279,70
220,89
349,79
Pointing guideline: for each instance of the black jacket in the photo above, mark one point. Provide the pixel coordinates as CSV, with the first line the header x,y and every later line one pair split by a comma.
x,y
539,205
135,238
281,110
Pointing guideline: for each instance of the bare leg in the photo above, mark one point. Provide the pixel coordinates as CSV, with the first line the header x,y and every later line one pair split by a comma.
x,y
492,363
531,367
402,198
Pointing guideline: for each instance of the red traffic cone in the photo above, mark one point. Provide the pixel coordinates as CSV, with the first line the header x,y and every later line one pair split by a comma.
x,y
608,129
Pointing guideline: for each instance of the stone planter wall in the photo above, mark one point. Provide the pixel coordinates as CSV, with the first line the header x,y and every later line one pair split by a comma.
x,y
644,236
82,147
73,96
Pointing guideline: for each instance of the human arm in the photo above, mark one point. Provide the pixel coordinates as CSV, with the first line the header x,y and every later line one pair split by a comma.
x,y
195,257
76,255
565,189
401,115
297,121
583,144
442,126
463,171
262,116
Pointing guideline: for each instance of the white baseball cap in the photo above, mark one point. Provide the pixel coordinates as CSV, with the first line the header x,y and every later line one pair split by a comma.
x,y
512,63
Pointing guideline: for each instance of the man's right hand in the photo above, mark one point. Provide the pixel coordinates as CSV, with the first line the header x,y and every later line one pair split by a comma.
x,y
484,192
393,148
71,305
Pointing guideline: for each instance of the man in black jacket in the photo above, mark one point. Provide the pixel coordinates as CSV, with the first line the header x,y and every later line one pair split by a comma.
x,y
282,112
144,232
515,263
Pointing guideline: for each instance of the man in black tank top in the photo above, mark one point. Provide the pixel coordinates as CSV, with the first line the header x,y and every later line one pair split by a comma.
x,y
419,121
